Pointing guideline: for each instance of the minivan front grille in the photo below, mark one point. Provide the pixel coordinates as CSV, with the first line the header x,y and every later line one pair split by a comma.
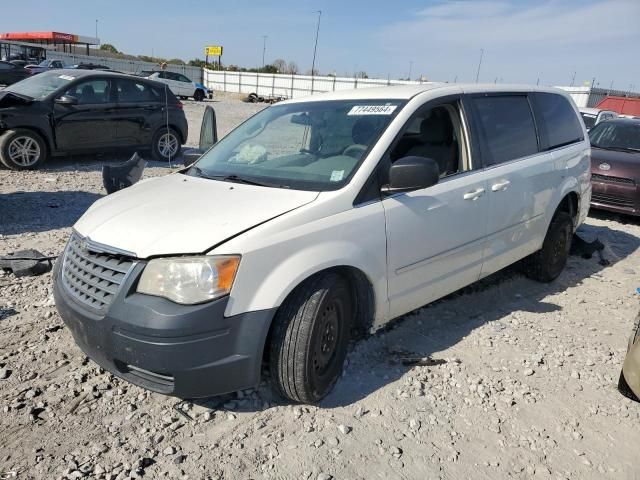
x,y
92,278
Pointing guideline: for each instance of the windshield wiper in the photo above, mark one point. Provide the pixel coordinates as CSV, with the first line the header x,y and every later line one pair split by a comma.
x,y
238,179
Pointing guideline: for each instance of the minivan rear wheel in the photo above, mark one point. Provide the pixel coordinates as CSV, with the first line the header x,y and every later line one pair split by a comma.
x,y
310,338
166,144
22,149
546,264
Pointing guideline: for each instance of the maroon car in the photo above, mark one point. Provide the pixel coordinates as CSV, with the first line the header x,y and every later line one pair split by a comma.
x,y
615,165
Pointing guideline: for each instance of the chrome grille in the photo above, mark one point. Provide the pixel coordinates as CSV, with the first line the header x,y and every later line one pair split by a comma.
x,y
92,278
607,178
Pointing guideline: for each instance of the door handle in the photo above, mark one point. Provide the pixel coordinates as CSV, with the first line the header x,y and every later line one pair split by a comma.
x,y
474,194
500,186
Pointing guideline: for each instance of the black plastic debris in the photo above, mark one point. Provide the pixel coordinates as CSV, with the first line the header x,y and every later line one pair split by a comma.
x,y
580,246
25,263
117,177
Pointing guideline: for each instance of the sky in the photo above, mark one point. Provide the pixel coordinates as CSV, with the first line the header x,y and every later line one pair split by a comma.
x,y
544,41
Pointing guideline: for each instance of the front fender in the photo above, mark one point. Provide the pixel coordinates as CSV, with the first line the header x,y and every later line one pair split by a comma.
x,y
274,262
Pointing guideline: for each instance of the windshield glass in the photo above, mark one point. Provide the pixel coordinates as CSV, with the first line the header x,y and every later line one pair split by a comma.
x,y
44,63
307,146
41,85
145,73
589,120
616,136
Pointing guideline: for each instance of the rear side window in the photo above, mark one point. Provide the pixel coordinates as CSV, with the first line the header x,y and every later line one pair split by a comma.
x,y
557,120
131,91
507,130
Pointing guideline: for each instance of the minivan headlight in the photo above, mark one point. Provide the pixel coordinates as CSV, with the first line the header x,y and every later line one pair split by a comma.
x,y
189,280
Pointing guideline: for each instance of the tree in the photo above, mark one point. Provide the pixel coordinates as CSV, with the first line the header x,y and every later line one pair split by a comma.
x,y
362,75
176,61
280,65
196,62
314,72
109,48
292,68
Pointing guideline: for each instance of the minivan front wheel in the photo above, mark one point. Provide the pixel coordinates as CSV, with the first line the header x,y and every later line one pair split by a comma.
x,y
22,149
546,264
166,144
310,338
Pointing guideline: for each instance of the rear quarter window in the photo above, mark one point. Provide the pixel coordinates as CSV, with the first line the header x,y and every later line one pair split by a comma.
x,y
506,128
557,120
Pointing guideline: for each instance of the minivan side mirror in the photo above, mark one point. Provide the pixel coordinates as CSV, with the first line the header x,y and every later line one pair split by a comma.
x,y
412,173
67,100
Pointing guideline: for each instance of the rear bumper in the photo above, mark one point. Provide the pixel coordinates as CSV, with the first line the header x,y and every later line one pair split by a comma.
x,y
185,351
616,197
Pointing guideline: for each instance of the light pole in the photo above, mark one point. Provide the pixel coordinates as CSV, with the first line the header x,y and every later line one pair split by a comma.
x,y
264,48
96,28
315,48
479,64
410,68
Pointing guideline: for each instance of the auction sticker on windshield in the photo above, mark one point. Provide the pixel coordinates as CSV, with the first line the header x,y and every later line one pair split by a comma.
x,y
372,110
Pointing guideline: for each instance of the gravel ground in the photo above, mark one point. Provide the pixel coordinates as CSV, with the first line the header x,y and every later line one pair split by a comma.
x,y
525,387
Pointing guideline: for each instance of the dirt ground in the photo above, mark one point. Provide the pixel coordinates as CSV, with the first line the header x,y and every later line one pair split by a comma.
x,y
526,385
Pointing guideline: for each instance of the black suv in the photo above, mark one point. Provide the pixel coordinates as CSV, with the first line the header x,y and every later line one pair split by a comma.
x,y
84,111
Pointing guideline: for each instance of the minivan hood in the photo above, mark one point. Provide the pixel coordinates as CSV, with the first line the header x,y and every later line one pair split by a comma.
x,y
180,214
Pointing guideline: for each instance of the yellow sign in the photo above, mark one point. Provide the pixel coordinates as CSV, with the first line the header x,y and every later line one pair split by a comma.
x,y
214,50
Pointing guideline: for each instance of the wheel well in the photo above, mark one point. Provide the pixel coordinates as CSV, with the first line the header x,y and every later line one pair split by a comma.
x,y
569,204
364,305
37,130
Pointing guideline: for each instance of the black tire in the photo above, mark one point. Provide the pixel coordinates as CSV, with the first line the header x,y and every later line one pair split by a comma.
x,y
13,159
310,338
157,148
547,263
198,95
624,389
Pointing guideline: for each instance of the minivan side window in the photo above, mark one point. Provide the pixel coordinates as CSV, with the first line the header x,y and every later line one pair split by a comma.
x,y
506,128
557,120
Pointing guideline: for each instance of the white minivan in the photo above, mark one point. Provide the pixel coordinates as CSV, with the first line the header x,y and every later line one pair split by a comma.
x,y
318,218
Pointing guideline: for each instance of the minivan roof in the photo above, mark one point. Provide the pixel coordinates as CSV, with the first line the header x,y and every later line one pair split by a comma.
x,y
405,92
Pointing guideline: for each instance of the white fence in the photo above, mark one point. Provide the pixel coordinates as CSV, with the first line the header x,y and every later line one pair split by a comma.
x,y
125,65
289,86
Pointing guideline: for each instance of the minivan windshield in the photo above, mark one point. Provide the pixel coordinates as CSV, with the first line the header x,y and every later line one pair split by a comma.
x,y
41,85
616,136
306,146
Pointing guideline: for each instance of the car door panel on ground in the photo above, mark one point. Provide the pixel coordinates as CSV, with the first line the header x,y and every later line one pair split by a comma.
x,y
425,259
90,123
139,110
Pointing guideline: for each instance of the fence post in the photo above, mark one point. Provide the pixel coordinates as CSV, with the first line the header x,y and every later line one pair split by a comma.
x,y
334,83
356,83
292,77
273,83
257,77
224,80
239,82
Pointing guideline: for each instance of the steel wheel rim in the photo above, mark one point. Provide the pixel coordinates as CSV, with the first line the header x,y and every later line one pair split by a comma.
x,y
24,151
327,346
168,145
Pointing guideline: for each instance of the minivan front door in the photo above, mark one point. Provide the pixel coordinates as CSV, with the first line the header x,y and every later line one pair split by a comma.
x,y
435,236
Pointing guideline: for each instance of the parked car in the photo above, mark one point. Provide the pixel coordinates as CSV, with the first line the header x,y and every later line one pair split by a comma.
x,y
318,218
629,382
91,66
615,166
10,73
45,65
180,85
82,111
593,116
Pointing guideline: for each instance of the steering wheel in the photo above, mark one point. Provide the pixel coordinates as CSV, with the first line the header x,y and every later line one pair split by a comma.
x,y
356,151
